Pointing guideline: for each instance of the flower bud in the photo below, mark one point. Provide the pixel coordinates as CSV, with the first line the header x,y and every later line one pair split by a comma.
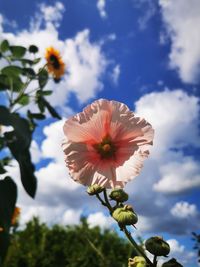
x,y
94,189
172,263
137,261
157,246
118,195
125,216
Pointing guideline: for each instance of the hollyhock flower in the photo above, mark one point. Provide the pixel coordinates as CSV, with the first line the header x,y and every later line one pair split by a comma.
x,y
106,144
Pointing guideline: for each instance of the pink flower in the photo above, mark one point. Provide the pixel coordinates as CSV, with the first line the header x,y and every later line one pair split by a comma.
x,y
106,144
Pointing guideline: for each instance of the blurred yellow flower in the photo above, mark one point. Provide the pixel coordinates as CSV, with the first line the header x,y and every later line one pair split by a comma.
x,y
55,64
15,216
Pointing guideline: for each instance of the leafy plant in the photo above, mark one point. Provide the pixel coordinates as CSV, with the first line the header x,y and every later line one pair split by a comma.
x,y
17,78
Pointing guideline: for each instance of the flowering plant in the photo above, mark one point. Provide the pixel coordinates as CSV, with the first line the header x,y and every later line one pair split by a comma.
x,y
104,148
22,82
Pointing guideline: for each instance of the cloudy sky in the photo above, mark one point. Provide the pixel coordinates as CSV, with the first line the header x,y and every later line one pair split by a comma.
x,y
144,53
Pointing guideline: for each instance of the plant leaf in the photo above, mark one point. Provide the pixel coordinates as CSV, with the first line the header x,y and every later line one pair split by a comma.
x,y
33,49
18,51
4,46
8,197
43,77
24,100
12,70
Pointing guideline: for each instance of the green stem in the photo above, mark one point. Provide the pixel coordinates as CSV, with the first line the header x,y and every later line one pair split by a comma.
x,y
20,94
107,201
135,245
155,261
101,200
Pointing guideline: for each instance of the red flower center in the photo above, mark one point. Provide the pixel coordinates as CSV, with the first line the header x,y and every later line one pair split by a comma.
x,y
106,148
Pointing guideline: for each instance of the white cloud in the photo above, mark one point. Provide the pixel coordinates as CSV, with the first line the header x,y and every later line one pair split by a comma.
x,y
179,252
181,18
171,114
85,60
51,146
115,74
71,217
101,4
54,13
99,219
86,64
35,152
177,177
183,209
148,8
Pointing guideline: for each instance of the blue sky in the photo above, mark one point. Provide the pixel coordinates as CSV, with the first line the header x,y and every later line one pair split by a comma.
x,y
143,53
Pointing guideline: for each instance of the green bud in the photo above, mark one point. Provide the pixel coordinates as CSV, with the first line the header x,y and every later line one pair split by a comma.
x,y
125,216
172,263
94,189
137,261
157,246
118,195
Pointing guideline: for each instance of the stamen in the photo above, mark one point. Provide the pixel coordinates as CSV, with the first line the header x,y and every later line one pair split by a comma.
x,y
106,147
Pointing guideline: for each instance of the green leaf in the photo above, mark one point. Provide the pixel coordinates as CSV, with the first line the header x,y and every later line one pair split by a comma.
x,y
4,162
8,197
33,49
29,72
24,100
25,61
18,51
37,116
10,82
22,155
2,170
43,77
12,71
3,82
18,141
46,92
51,110
4,46
20,125
37,60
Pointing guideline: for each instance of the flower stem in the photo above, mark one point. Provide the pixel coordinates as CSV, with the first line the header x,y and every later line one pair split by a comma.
x,y
107,201
101,200
155,261
135,245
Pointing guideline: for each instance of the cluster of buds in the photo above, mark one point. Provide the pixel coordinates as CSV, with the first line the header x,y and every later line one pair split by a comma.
x,y
123,214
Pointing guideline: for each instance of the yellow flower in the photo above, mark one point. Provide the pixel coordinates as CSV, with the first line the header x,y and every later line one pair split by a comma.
x,y
55,64
15,216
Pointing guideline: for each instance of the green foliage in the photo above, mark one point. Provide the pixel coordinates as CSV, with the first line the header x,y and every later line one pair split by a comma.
x,y
15,80
41,246
33,49
7,205
17,51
